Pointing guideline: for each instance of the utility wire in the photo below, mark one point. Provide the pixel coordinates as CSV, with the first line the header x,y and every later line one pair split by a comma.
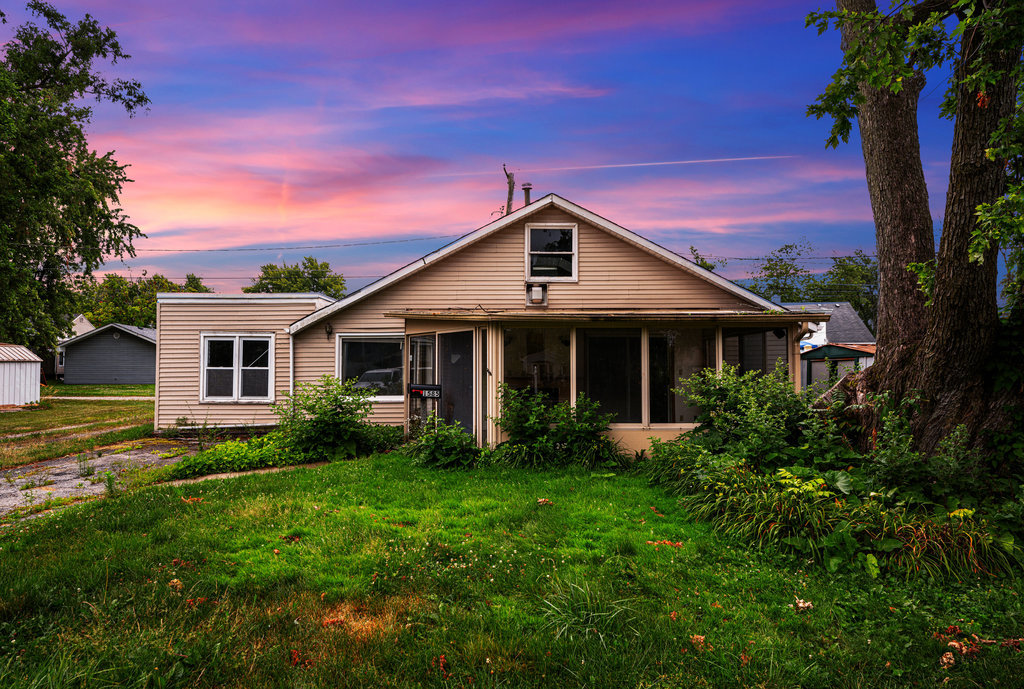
x,y
272,248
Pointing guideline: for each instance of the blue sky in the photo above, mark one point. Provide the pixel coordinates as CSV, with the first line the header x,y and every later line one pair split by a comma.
x,y
302,123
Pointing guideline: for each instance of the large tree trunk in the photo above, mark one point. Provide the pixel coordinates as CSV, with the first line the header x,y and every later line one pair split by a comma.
x,y
953,371
939,350
903,222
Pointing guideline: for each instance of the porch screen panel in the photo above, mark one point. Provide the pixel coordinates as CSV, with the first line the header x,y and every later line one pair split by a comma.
x,y
538,359
455,359
676,353
609,370
755,349
422,350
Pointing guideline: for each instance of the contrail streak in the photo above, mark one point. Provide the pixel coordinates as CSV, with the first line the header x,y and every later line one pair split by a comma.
x,y
620,165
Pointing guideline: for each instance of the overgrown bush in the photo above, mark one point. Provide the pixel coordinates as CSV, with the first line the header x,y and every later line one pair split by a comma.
x,y
764,466
381,438
443,445
326,420
272,449
758,414
541,434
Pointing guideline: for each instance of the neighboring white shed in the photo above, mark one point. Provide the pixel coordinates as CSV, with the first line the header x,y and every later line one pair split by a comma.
x,y
19,375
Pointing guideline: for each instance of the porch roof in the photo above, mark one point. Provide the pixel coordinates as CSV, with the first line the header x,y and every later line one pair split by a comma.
x,y
585,315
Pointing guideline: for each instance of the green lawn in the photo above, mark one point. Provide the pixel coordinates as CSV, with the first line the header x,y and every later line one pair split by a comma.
x,y
377,573
86,416
59,389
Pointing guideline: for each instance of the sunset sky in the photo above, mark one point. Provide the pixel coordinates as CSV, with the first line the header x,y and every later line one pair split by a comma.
x,y
306,123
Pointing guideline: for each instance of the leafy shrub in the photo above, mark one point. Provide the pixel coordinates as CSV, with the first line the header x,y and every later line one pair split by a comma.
x,y
326,420
272,449
543,434
443,445
380,438
757,414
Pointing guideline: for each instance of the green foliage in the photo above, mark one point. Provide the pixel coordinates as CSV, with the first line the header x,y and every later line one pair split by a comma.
x,y
131,302
59,201
852,279
581,611
326,420
706,262
766,467
381,438
443,445
309,276
270,450
541,434
758,416
889,51
779,276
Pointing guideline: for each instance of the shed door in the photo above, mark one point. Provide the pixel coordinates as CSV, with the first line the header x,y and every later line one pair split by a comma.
x,y
455,363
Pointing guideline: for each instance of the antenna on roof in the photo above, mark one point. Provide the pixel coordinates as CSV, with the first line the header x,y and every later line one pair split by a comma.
x,y
510,177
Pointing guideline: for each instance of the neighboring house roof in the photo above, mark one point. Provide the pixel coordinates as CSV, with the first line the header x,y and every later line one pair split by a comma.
x,y
148,334
844,326
551,200
835,350
17,353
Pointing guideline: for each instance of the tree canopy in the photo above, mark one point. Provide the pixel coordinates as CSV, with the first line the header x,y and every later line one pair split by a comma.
x,y
853,279
310,275
946,344
59,201
132,302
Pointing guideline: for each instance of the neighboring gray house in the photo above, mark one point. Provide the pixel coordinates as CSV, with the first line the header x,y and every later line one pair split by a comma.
x,y
114,353
831,350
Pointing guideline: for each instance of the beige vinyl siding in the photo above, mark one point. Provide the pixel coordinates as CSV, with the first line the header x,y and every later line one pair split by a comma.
x,y
179,331
613,274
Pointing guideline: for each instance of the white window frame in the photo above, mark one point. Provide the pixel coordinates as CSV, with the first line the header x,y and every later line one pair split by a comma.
x,y
236,396
399,336
575,251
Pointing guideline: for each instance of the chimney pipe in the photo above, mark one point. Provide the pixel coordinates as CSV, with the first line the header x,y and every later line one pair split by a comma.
x,y
527,187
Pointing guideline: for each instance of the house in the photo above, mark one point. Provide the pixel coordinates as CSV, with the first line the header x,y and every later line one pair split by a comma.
x,y
19,375
832,349
53,361
112,354
551,297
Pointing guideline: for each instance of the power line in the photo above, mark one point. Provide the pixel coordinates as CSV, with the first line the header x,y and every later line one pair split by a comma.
x,y
272,248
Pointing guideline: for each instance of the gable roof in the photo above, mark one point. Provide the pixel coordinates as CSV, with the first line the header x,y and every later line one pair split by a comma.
x,y
549,201
147,334
844,326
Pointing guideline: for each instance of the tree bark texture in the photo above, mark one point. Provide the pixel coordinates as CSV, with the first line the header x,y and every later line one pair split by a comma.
x,y
958,345
903,223
942,350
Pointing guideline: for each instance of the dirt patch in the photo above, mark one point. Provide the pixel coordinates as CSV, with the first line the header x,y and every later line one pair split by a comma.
x,y
362,623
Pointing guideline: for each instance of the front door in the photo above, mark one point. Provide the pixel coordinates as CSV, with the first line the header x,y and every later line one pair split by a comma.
x,y
455,364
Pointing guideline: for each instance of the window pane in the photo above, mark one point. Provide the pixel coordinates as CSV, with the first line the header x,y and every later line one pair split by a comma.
x,y
421,359
550,239
375,363
220,382
220,353
608,370
256,353
256,382
755,349
538,359
551,265
676,353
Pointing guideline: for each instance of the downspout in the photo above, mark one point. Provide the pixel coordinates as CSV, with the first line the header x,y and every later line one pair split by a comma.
x,y
291,364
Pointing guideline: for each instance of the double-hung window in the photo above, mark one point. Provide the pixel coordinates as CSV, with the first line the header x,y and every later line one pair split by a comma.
x,y
551,252
237,368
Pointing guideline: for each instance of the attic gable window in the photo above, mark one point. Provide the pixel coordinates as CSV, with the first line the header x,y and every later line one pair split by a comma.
x,y
551,252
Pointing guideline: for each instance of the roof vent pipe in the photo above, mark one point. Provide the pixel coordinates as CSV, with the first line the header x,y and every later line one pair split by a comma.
x,y
527,187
